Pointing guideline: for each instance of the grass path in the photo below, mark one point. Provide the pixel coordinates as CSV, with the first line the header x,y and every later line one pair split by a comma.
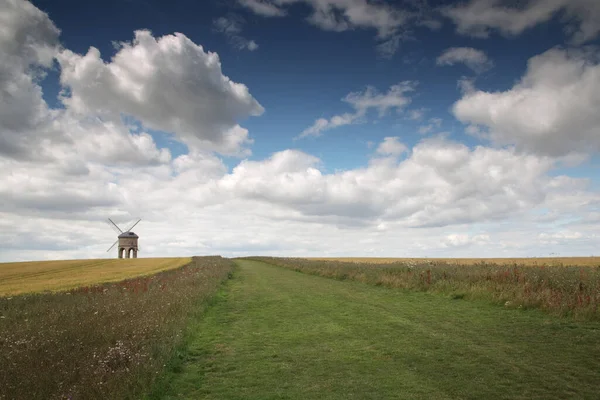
x,y
280,334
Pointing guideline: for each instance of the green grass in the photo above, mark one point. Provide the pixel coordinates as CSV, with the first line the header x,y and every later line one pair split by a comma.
x,y
560,290
279,334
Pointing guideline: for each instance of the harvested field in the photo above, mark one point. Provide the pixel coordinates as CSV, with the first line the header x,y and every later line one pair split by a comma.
x,y
534,261
40,276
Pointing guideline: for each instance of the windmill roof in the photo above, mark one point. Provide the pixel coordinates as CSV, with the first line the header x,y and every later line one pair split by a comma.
x,y
128,235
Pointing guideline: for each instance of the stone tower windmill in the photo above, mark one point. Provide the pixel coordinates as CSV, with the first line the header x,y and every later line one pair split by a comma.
x,y
127,240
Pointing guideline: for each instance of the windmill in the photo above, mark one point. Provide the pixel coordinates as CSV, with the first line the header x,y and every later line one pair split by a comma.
x,y
127,240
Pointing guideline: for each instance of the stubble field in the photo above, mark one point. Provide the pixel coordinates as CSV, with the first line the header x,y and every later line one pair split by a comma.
x,y
39,276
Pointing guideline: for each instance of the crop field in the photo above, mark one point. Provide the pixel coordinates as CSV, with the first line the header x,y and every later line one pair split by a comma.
x,y
532,261
39,276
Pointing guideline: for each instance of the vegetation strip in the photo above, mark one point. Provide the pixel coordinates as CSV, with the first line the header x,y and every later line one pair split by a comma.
x,y
529,261
107,341
279,334
562,290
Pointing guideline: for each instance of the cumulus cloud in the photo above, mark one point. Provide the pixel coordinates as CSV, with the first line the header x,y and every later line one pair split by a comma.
x,y
231,27
169,84
552,110
362,102
391,146
479,17
440,183
97,158
475,59
28,42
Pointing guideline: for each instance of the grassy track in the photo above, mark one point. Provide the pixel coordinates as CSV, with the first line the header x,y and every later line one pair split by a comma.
x,y
39,276
279,334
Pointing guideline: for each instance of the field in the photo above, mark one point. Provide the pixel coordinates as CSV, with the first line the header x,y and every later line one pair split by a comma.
x,y
279,334
558,289
39,276
105,341
297,328
532,261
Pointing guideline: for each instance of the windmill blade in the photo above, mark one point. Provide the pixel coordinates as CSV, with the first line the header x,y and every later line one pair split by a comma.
x,y
115,225
117,230
131,227
110,248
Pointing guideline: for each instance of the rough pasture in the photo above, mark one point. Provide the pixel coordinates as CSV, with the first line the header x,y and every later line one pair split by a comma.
x,y
108,341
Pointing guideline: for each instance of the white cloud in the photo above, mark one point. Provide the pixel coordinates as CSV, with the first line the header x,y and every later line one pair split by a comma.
x,y
416,114
28,36
288,206
388,47
475,59
83,163
553,110
441,183
28,42
231,27
479,17
344,15
434,123
391,146
563,235
168,84
362,102
462,239
263,7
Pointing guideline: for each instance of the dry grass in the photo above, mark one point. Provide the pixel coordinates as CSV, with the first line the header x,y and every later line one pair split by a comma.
x,y
536,261
41,276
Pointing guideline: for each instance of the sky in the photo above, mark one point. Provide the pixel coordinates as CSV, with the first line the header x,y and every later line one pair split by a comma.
x,y
414,128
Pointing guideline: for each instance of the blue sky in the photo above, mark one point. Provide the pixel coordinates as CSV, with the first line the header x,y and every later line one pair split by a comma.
x,y
475,134
301,73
